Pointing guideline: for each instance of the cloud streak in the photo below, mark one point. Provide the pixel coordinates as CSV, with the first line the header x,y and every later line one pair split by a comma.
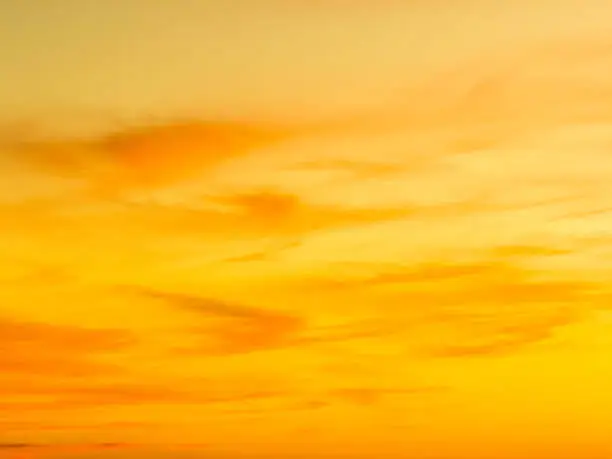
x,y
54,450
61,350
485,308
234,328
146,157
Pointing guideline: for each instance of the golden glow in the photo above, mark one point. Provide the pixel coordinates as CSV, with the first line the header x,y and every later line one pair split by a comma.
x,y
346,248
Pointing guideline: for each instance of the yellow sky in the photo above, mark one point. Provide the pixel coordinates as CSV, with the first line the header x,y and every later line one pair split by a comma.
x,y
300,229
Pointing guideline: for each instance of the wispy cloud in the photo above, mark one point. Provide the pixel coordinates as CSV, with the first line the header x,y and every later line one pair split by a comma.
x,y
58,350
368,396
488,307
54,450
79,449
275,212
144,157
365,170
235,328
149,155
18,445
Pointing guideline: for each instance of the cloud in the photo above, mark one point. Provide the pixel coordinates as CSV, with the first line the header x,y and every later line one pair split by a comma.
x,y
45,364
68,450
431,272
266,207
19,445
365,170
137,157
122,393
483,308
170,152
60,425
42,349
151,394
393,274
519,87
276,212
349,331
478,308
267,254
521,251
502,333
274,217
367,396
48,396
229,328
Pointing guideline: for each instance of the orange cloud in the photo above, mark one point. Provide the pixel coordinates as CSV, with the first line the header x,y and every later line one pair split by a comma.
x,y
52,450
76,450
367,396
46,364
286,214
522,92
145,157
131,394
171,152
366,170
484,308
59,425
57,350
231,328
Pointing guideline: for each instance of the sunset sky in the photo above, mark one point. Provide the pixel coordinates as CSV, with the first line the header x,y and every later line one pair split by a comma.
x,y
306,229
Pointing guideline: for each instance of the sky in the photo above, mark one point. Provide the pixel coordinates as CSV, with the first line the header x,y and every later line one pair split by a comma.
x,y
305,229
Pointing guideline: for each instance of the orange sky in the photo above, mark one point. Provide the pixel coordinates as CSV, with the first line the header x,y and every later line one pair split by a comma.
x,y
305,229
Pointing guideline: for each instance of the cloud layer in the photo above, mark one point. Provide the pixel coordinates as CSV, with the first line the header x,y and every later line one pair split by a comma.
x,y
394,268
